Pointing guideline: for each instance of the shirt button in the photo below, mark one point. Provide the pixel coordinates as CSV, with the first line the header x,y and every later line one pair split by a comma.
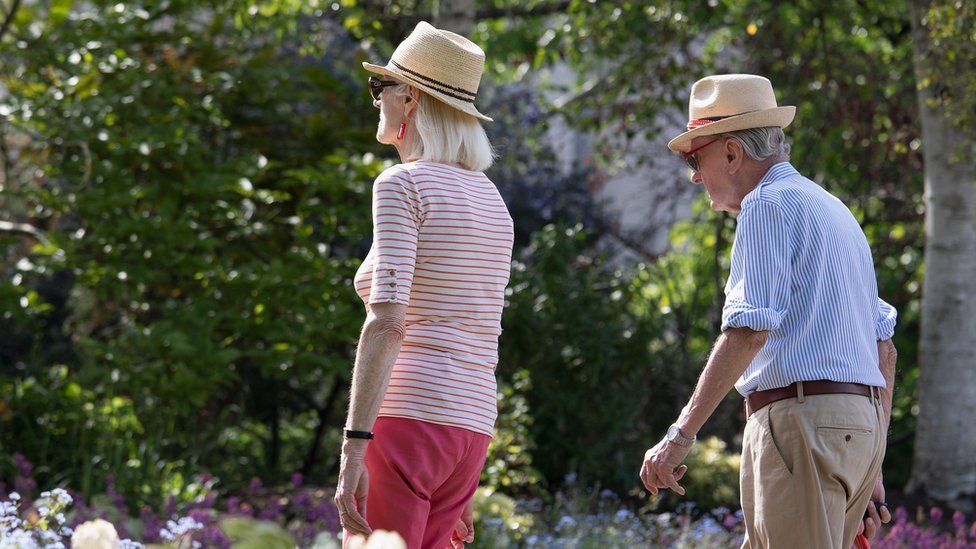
x,y
393,284
392,273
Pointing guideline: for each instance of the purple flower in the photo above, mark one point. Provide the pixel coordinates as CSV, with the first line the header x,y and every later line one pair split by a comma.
x,y
901,515
297,479
24,467
255,484
152,525
959,520
26,486
935,514
272,511
729,522
208,501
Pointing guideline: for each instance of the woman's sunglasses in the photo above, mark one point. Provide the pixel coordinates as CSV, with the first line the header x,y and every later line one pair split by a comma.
x,y
377,84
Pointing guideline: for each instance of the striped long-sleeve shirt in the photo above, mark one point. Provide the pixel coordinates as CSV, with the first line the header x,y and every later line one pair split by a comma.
x,y
802,270
442,246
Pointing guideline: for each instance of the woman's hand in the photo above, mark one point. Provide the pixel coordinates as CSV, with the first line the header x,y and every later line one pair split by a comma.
x,y
464,531
353,486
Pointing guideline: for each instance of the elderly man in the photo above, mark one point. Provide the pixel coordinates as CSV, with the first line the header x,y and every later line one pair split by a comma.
x,y
803,332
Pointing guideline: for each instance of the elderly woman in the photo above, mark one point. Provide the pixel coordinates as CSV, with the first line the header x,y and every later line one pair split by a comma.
x,y
422,403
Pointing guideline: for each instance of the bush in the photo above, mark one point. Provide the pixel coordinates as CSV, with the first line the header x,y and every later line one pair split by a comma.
x,y
606,358
184,166
579,517
712,480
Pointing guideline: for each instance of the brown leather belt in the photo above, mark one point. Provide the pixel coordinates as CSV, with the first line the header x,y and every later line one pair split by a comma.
x,y
759,399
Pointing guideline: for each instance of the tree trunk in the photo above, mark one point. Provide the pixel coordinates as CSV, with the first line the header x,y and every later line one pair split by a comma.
x,y
455,15
945,444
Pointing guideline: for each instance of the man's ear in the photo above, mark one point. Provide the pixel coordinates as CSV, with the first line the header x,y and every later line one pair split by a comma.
x,y
734,154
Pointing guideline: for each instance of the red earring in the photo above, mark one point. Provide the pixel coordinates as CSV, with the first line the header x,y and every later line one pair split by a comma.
x,y
401,131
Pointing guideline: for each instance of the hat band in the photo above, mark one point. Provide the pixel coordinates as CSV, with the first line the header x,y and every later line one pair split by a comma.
x,y
430,81
699,122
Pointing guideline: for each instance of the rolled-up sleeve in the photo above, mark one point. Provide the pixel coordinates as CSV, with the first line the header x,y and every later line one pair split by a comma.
x,y
396,227
887,318
758,291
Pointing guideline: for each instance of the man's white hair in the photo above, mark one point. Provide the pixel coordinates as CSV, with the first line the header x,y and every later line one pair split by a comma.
x,y
762,143
445,134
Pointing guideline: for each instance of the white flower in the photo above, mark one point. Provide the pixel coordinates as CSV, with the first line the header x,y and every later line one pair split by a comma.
x,y
43,511
95,534
14,496
177,529
380,539
7,509
129,544
565,523
18,539
622,515
61,495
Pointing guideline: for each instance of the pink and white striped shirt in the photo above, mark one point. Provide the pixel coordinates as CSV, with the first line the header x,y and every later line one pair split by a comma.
x,y
442,246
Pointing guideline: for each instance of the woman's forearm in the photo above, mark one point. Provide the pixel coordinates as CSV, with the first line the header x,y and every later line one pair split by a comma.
x,y
379,345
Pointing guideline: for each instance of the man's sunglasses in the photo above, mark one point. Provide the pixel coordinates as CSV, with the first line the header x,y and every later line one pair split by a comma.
x,y
377,84
690,157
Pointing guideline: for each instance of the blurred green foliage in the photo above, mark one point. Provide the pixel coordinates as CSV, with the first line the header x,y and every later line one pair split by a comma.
x,y
187,164
196,176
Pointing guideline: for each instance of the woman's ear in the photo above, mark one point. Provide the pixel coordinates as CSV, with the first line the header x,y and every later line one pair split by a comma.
x,y
411,102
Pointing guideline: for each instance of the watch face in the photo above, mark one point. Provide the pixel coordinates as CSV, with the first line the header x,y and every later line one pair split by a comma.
x,y
673,433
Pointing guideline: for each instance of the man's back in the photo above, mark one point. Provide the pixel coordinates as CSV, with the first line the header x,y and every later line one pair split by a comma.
x,y
802,268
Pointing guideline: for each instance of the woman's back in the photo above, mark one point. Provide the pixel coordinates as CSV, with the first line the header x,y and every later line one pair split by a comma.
x,y
442,246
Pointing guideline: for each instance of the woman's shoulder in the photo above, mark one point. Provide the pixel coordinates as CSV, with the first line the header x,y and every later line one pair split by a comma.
x,y
427,167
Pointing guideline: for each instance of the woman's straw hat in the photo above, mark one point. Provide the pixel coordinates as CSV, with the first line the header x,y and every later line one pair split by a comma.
x,y
445,65
731,102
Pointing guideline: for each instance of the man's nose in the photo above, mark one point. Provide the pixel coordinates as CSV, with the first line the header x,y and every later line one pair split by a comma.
x,y
696,178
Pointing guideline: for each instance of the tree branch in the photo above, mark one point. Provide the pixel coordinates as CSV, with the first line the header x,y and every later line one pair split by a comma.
x,y
25,229
544,9
9,19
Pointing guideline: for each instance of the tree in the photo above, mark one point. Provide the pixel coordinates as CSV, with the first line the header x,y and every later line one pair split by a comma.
x,y
192,203
945,448
455,16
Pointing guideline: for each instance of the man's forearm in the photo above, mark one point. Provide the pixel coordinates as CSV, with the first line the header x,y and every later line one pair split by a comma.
x,y
887,357
379,345
732,354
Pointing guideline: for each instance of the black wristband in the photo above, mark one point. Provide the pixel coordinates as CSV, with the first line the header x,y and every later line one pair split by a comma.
x,y
365,435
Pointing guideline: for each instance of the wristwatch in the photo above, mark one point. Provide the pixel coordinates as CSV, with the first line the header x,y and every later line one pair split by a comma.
x,y
674,436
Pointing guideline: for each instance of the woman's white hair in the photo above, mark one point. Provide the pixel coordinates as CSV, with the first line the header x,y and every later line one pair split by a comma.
x,y
762,143
445,134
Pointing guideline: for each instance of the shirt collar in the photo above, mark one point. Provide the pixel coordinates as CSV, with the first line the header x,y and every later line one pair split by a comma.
x,y
780,170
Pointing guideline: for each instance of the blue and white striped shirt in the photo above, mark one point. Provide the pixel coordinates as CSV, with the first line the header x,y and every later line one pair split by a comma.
x,y
802,270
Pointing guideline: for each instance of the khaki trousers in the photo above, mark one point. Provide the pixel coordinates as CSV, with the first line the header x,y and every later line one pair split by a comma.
x,y
809,466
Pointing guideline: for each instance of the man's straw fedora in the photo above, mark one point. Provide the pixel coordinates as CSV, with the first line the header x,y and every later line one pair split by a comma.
x,y
443,64
731,102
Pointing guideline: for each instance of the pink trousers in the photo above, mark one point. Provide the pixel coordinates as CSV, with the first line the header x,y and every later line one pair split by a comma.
x,y
421,475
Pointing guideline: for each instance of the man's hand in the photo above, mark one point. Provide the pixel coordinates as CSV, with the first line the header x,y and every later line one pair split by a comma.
x,y
877,512
353,486
464,531
662,467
